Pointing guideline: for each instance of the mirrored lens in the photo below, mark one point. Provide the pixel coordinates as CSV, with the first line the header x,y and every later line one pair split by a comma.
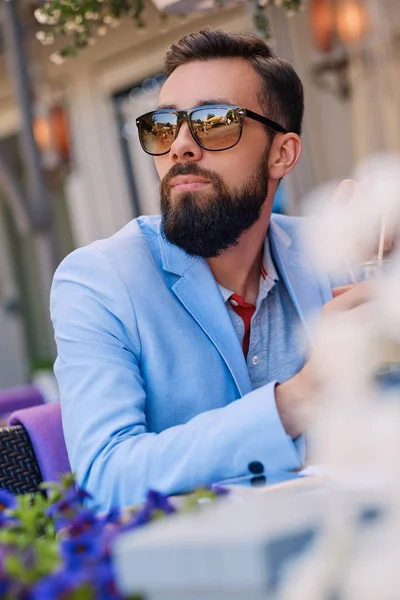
x,y
216,128
157,132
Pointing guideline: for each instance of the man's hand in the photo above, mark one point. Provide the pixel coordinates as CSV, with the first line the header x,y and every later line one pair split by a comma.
x,y
294,397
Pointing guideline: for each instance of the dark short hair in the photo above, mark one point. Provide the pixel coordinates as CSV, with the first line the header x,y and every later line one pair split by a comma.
x,y
281,94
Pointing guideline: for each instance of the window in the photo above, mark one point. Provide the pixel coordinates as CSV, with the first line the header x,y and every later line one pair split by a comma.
x,y
140,169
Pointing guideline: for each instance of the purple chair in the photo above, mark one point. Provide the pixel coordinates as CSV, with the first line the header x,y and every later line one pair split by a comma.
x,y
44,427
32,449
23,396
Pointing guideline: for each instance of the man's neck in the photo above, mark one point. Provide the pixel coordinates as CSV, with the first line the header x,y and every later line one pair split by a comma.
x,y
238,269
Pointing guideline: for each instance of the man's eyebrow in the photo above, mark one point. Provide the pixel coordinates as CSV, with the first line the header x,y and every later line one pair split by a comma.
x,y
207,101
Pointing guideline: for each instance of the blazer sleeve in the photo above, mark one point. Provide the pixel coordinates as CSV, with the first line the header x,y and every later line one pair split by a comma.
x,y
103,401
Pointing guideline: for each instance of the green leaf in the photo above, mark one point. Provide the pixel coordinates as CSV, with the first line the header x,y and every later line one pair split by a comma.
x,y
14,567
85,592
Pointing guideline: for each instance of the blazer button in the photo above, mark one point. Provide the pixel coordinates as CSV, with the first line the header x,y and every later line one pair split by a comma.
x,y
258,480
256,467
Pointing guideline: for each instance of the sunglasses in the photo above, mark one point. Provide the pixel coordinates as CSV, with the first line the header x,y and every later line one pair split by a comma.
x,y
213,127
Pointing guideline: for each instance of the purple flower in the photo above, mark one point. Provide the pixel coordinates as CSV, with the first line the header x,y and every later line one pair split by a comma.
x,y
113,516
7,500
104,577
83,522
61,509
59,586
219,490
78,551
107,541
142,517
98,578
66,507
81,495
157,501
4,581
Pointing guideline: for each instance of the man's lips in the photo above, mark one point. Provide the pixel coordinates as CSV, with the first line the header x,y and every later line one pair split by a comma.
x,y
185,183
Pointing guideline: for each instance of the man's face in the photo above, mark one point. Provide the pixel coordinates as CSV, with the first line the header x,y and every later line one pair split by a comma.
x,y
208,199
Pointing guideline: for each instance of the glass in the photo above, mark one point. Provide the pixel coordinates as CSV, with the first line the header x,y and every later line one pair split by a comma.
x,y
213,127
343,279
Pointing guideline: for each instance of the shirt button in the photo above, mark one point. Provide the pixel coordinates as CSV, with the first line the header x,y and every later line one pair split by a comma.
x,y
254,322
233,302
255,360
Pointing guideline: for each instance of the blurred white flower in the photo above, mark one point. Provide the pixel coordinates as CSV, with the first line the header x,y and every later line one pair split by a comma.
x,y
374,572
355,432
71,26
348,228
57,59
91,16
40,16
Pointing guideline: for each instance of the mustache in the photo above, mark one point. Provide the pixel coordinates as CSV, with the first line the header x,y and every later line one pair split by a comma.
x,y
188,168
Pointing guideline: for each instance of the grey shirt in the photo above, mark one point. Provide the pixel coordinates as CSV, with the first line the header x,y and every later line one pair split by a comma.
x,y
275,352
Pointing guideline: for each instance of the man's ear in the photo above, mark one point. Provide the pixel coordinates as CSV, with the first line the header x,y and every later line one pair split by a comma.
x,y
284,154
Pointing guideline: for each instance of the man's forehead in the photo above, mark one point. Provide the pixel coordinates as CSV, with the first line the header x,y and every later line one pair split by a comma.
x,y
219,81
201,102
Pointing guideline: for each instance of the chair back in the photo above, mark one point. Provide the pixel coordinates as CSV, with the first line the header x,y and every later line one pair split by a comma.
x,y
19,469
22,396
44,427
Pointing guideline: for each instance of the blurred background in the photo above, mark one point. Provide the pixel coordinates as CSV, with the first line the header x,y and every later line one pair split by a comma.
x,y
71,169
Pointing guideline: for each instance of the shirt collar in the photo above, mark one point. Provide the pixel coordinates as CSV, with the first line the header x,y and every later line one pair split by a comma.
x,y
266,282
225,293
268,263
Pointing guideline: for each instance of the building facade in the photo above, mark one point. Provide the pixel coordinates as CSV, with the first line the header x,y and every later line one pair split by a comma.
x,y
108,180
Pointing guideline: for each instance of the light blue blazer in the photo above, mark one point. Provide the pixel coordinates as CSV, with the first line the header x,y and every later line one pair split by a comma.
x,y
154,387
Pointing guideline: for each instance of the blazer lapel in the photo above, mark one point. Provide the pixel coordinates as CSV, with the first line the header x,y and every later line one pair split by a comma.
x,y
308,290
198,291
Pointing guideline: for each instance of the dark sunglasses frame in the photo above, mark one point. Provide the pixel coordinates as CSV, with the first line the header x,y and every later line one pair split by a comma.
x,y
185,116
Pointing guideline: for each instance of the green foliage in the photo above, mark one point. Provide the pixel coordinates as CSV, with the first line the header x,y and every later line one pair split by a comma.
x,y
53,547
42,364
31,533
83,21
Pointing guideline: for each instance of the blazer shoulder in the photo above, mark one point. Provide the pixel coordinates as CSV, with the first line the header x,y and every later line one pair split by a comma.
x,y
288,223
138,233
293,229
129,246
130,256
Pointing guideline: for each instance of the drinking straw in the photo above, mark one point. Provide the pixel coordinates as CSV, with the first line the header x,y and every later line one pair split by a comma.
x,y
350,270
382,239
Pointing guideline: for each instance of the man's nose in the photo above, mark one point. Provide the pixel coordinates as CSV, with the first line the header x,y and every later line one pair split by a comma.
x,y
184,146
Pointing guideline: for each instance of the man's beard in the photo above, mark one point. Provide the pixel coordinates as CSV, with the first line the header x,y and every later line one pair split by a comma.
x,y
207,223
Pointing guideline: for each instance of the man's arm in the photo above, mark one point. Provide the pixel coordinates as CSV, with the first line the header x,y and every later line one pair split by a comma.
x,y
103,401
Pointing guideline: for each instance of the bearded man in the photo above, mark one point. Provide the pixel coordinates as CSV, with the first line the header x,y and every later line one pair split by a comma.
x,y
179,356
